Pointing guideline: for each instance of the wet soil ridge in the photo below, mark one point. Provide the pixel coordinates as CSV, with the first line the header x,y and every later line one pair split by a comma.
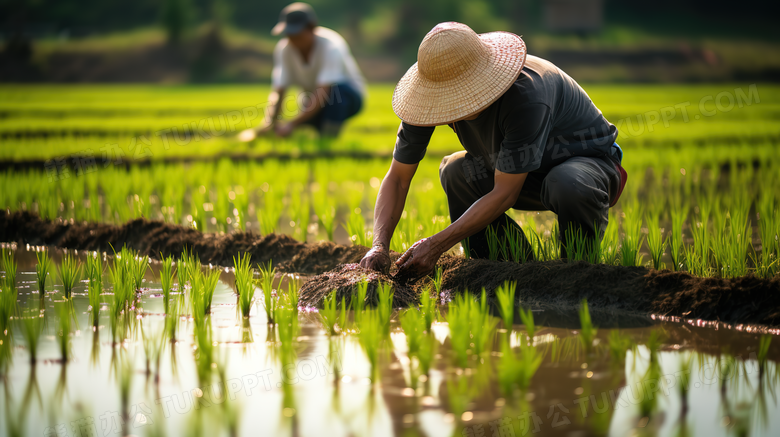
x,y
560,286
153,238
554,285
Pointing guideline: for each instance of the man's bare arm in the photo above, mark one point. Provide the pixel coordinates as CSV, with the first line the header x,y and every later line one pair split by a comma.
x,y
389,206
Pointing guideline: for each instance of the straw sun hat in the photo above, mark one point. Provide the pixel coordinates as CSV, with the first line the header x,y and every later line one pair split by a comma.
x,y
458,73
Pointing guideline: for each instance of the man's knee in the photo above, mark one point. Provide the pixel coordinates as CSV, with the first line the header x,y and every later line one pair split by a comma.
x,y
566,188
451,170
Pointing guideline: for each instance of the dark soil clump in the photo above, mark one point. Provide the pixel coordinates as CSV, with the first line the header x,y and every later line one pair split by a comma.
x,y
345,278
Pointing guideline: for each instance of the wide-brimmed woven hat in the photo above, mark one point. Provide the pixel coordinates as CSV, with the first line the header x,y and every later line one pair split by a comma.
x,y
458,73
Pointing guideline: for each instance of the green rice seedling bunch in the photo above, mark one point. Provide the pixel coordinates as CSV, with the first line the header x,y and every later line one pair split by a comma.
x,y
385,305
171,329
70,273
371,337
517,248
632,238
245,282
587,330
204,348
679,215
42,269
267,274
152,343
203,287
699,255
769,224
138,267
426,353
466,249
93,268
619,344
287,329
291,294
438,280
64,328
580,247
763,354
730,247
9,267
358,300
329,313
413,324
356,229
326,217
610,252
483,325
655,241
527,318
167,273
458,321
32,327
188,262
505,294
428,307
521,369
269,215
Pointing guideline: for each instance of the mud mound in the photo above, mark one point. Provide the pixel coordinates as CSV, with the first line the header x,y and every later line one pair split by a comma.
x,y
151,237
345,277
615,291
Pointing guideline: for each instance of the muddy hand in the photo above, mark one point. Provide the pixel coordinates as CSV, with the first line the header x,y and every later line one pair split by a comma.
x,y
378,258
418,261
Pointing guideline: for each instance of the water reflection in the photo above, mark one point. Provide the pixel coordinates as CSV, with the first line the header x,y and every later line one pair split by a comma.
x,y
169,373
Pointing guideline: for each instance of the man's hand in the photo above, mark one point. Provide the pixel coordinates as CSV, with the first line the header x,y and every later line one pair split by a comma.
x,y
250,134
378,258
419,260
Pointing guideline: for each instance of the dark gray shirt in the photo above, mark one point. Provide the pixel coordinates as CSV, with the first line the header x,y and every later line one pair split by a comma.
x,y
541,121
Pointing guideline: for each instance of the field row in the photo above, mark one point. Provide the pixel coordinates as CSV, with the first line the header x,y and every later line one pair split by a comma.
x,y
682,211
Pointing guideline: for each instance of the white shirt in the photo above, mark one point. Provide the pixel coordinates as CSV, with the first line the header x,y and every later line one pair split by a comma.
x,y
330,63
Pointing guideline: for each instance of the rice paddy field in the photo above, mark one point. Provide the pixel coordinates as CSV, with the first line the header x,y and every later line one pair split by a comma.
x,y
161,278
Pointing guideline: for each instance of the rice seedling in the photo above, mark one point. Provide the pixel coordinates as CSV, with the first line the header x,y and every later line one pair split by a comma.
x,y
152,343
516,247
471,326
167,272
527,318
268,216
188,262
494,245
138,267
94,289
679,214
203,287
655,241
31,326
619,344
428,307
267,274
64,328
204,348
385,305
371,337
42,269
505,294
329,314
580,247
171,328
413,324
517,371
292,293
93,268
426,353
356,229
769,224
9,267
587,330
326,217
466,249
649,399
286,326
632,238
610,252
438,280
245,283
358,301
70,273
762,354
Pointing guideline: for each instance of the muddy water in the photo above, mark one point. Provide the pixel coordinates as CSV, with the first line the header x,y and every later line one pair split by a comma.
x,y
328,391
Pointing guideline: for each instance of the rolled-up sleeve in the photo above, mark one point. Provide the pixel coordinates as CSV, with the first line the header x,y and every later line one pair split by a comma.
x,y
411,143
526,129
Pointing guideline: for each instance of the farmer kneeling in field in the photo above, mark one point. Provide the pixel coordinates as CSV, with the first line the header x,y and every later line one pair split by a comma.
x,y
534,142
317,60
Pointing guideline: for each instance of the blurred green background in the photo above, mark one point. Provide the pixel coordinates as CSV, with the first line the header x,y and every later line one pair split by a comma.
x,y
228,41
